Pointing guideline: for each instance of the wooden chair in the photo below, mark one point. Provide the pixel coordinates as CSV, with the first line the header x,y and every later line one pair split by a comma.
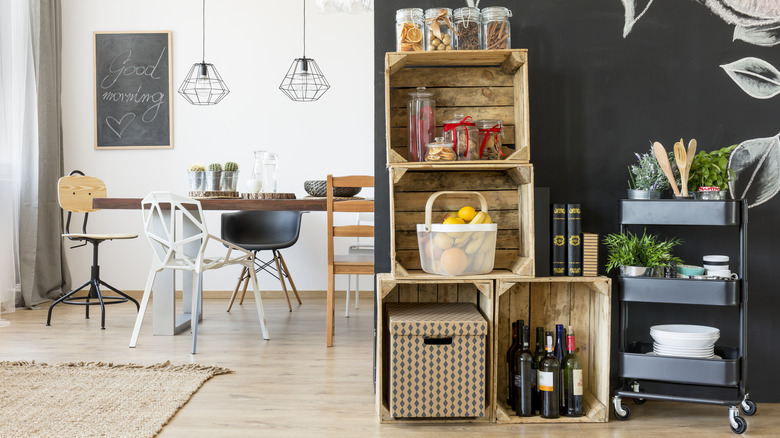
x,y
75,193
346,264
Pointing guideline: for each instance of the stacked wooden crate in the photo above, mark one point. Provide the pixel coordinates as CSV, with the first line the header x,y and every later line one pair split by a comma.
x,y
481,84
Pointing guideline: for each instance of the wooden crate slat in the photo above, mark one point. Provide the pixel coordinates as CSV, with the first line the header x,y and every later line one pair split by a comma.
x,y
448,293
399,136
408,220
459,96
407,240
433,181
450,77
399,117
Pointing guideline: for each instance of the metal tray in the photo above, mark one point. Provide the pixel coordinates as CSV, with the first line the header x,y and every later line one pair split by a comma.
x,y
636,364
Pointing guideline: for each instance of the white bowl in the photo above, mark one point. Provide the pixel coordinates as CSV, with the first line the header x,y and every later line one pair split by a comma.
x,y
686,330
685,336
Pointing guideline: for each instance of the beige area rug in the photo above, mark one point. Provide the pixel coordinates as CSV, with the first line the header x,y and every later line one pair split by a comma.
x,y
94,399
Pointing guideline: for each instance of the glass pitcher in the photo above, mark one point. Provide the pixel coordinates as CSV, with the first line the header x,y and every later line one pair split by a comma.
x,y
264,172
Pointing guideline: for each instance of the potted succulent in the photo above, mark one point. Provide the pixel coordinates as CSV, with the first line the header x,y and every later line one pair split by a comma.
x,y
214,177
637,256
710,171
230,176
646,179
196,174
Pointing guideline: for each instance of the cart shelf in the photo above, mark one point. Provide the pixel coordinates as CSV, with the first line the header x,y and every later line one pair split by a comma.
x,y
638,364
680,291
679,212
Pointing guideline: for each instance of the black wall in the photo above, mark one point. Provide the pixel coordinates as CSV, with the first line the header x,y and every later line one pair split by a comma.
x,y
597,97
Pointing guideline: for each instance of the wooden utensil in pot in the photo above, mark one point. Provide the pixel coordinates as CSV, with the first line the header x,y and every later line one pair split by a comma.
x,y
691,154
663,160
681,157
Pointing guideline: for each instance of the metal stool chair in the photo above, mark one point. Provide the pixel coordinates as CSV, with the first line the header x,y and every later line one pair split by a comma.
x,y
75,196
263,231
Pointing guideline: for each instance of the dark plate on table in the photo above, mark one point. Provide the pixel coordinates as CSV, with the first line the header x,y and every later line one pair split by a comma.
x,y
319,189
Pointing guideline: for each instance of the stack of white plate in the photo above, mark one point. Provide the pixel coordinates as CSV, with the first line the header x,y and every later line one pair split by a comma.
x,y
684,340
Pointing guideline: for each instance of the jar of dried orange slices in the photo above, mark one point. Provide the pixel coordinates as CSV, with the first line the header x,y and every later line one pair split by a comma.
x,y
409,30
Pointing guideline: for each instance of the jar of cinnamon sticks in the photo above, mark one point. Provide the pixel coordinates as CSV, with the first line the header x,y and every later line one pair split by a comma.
x,y
495,28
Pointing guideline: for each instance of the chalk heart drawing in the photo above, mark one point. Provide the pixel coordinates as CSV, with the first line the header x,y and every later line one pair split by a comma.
x,y
756,165
119,126
756,21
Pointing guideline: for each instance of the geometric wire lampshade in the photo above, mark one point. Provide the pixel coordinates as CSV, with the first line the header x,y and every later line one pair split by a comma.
x,y
304,81
203,85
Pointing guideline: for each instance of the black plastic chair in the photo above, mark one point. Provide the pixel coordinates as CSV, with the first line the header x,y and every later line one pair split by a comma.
x,y
263,231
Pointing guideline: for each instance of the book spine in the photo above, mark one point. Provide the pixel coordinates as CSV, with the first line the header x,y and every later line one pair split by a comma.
x,y
559,239
574,239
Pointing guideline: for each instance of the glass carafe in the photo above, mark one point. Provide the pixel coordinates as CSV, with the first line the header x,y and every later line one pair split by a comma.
x,y
264,172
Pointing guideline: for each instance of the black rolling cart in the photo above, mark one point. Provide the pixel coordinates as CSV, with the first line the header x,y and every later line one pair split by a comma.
x,y
710,381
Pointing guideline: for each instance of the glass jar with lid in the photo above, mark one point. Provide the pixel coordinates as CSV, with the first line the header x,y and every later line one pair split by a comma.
x,y
491,131
438,29
409,30
440,150
422,123
467,29
495,28
462,132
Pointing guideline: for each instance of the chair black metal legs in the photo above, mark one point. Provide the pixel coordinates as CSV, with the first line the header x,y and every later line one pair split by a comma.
x,y
94,293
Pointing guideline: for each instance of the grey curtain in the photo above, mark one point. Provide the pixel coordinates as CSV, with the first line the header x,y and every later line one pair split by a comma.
x,y
45,274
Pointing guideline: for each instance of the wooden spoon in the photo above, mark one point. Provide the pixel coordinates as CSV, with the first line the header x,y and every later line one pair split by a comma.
x,y
663,160
682,162
691,154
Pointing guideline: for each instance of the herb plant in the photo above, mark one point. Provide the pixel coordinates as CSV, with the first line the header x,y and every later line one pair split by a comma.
x,y
647,173
711,169
632,250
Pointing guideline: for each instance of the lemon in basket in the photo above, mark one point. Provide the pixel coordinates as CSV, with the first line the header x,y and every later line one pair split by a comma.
x,y
454,221
467,213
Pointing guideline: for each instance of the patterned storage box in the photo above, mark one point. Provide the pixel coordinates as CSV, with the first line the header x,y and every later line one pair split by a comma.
x,y
437,360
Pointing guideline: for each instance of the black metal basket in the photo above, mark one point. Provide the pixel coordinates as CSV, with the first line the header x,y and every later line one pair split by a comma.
x,y
319,189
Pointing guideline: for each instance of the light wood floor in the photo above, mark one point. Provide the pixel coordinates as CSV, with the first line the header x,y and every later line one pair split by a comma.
x,y
293,385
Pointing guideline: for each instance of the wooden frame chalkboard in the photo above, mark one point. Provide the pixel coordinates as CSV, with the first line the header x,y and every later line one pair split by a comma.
x,y
132,80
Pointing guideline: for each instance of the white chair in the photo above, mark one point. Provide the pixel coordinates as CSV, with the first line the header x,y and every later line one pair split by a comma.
x,y
159,216
360,251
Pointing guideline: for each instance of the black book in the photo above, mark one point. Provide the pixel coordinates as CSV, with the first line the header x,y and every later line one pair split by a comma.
x,y
574,239
559,239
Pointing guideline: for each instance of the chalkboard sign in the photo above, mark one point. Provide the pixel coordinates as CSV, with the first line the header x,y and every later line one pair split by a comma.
x,y
133,90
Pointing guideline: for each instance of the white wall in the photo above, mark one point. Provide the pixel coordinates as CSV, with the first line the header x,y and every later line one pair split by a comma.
x,y
252,43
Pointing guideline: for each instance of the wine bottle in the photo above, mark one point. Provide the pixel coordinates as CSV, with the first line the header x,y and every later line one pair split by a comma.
x,y
510,372
523,377
572,378
538,356
549,381
560,352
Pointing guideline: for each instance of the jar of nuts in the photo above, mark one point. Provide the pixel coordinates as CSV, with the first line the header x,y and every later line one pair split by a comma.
x,y
495,28
467,27
409,30
490,134
463,134
438,29
440,150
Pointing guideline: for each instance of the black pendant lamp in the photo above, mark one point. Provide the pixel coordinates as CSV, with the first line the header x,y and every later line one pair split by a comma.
x,y
203,85
304,81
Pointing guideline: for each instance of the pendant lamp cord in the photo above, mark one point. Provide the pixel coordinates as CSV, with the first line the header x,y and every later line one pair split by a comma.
x,y
204,32
304,29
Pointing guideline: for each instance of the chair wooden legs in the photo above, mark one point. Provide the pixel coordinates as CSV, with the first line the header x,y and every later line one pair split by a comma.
x,y
235,292
289,277
330,308
281,280
259,302
142,309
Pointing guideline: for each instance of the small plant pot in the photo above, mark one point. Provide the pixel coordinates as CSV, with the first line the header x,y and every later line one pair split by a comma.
x,y
213,180
197,180
644,194
229,180
635,271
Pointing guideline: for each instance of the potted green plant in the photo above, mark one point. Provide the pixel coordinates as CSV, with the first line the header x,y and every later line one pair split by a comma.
x,y
196,175
636,256
710,170
646,179
230,176
214,177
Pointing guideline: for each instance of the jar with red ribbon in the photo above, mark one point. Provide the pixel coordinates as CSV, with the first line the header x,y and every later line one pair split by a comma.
x,y
463,134
491,131
422,123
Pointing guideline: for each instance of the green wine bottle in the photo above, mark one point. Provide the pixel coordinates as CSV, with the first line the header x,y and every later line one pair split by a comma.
x,y
523,371
538,356
549,380
572,378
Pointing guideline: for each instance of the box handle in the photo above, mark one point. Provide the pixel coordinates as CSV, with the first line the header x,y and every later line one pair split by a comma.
x,y
429,205
437,341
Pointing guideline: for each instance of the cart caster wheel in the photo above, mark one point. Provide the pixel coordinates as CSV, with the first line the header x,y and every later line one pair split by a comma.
x,y
741,425
625,415
639,401
748,407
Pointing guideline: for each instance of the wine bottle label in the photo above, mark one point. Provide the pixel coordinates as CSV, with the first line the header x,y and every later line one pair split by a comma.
x,y
546,379
577,380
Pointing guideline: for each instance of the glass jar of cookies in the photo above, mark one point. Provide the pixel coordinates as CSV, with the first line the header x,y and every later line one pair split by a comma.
x,y
491,131
440,150
409,30
463,134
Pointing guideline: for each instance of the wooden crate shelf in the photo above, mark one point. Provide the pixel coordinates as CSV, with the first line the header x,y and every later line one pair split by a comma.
x,y
475,290
582,302
508,189
484,84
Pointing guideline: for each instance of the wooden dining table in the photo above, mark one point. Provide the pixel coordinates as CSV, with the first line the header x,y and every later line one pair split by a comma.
x,y
166,321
